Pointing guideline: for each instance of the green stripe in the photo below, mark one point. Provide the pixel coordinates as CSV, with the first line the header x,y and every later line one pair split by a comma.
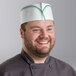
x,y
46,6
42,11
31,6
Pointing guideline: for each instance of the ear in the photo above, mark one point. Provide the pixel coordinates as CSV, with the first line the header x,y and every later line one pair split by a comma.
x,y
21,33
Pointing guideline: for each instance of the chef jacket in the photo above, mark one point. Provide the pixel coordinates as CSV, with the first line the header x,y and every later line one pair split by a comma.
x,y
23,65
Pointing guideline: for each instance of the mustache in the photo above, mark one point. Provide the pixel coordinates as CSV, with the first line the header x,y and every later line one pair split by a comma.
x,y
44,39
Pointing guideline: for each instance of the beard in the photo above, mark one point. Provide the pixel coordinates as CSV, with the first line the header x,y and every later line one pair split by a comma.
x,y
34,50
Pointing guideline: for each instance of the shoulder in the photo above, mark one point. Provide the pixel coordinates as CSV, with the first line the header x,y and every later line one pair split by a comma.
x,y
59,62
12,64
62,67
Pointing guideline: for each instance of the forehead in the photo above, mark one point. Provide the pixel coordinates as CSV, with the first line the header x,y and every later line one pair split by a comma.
x,y
40,23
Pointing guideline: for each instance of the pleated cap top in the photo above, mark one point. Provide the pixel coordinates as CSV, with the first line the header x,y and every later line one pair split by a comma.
x,y
40,11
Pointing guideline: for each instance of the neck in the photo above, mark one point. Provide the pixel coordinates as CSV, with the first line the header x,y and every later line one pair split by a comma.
x,y
36,59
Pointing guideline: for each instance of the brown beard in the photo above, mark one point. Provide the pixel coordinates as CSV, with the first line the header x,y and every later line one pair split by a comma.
x,y
34,50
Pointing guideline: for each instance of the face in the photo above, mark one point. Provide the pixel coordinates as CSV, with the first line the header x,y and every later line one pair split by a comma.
x,y
39,37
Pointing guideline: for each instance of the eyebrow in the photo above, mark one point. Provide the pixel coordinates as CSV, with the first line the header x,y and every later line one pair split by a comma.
x,y
39,26
50,26
34,27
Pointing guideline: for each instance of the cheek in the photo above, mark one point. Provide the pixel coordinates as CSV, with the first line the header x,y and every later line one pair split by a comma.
x,y
28,37
35,37
32,37
52,37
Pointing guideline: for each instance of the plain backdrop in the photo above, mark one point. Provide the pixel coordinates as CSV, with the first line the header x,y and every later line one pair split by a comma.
x,y
64,12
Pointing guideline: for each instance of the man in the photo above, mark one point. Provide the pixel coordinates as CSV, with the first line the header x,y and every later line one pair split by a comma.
x,y
38,36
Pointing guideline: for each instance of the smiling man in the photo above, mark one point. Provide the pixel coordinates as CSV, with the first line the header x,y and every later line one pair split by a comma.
x,y
38,37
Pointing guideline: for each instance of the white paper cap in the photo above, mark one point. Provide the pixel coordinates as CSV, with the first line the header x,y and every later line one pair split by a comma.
x,y
40,11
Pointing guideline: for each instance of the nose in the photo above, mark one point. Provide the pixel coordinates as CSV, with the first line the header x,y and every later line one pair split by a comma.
x,y
44,34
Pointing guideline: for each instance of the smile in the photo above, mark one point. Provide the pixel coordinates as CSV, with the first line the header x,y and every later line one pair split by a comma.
x,y
43,42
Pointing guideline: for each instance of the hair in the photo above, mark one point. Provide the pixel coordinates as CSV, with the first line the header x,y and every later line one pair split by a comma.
x,y
23,26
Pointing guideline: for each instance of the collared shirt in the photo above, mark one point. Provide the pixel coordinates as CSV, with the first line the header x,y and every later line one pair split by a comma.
x,y
23,65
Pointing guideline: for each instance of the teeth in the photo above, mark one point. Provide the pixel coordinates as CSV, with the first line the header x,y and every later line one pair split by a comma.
x,y
43,42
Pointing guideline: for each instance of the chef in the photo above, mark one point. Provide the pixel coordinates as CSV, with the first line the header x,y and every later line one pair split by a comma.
x,y
38,39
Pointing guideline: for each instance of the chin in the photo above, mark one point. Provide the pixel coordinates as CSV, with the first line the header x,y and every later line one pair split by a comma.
x,y
44,50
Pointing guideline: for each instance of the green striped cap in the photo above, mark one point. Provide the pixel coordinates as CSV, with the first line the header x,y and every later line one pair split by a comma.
x,y
40,11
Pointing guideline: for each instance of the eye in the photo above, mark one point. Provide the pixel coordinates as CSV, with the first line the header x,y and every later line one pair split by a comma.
x,y
49,29
36,30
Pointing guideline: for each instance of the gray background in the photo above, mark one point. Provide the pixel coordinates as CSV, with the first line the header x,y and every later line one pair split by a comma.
x,y
64,12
